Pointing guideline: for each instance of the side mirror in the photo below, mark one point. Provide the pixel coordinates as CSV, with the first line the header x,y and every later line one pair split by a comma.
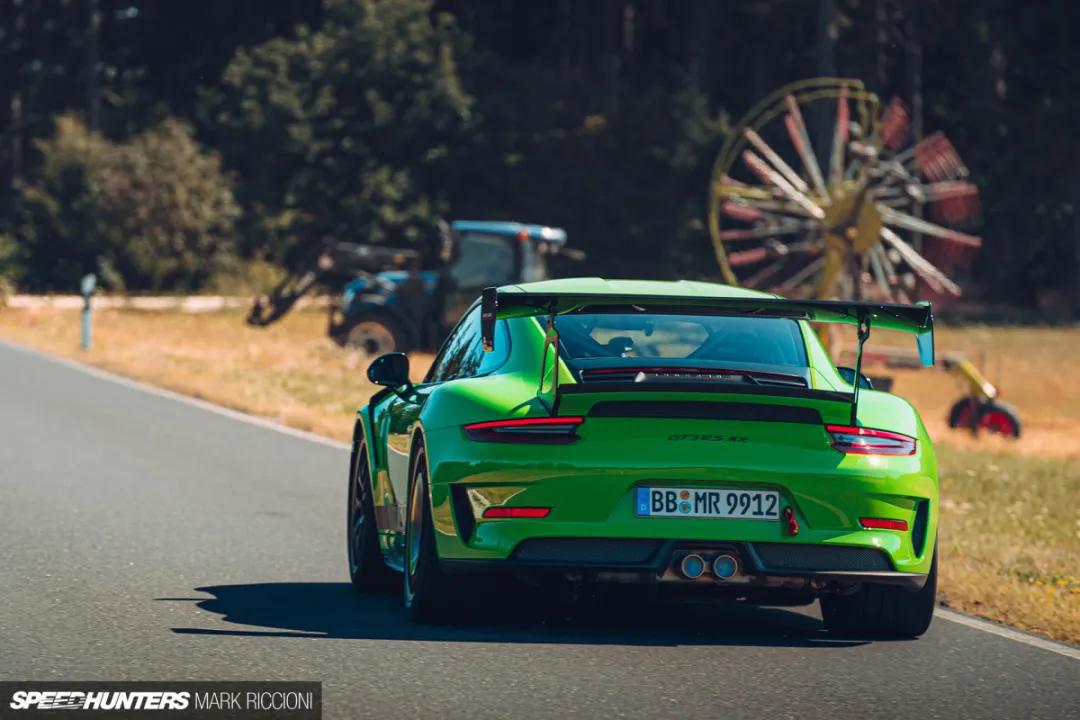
x,y
391,370
849,377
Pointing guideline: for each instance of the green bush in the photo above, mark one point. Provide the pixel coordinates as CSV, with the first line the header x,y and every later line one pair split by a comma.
x,y
153,212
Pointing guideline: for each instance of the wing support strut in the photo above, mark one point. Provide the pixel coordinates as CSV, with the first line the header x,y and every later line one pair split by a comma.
x,y
551,339
864,335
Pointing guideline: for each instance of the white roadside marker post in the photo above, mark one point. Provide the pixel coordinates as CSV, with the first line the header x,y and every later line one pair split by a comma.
x,y
87,286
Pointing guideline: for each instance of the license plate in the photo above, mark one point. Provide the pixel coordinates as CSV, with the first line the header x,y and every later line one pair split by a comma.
x,y
707,503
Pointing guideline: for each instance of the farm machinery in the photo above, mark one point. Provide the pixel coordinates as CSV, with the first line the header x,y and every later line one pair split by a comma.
x,y
387,299
853,226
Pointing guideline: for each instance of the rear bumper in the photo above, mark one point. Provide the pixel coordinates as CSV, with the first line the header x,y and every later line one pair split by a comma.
x,y
648,560
591,487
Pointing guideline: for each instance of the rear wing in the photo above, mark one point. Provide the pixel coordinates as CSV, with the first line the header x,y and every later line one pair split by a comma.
x,y
916,319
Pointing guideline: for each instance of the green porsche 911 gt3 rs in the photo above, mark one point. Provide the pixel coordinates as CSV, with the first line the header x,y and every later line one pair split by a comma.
x,y
651,432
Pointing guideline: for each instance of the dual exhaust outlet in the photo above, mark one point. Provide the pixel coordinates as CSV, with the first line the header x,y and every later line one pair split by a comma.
x,y
722,566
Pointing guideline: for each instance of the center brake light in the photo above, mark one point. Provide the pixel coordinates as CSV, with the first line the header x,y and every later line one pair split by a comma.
x,y
552,430
867,441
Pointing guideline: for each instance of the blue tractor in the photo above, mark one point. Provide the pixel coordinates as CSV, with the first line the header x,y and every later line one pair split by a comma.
x,y
400,300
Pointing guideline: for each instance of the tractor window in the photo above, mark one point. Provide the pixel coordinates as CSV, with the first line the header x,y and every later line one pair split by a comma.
x,y
769,341
462,355
483,261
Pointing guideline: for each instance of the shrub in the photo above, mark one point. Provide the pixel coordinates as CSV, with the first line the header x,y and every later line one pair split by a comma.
x,y
152,212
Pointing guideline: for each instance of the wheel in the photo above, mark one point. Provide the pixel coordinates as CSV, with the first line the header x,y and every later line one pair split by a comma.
x,y
367,570
427,594
961,412
375,333
999,418
882,610
782,220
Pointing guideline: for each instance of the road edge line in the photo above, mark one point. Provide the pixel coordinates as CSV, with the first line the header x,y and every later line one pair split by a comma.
x,y
268,424
1007,632
133,384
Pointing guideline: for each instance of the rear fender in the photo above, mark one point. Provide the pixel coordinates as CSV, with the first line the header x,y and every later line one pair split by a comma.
x,y
371,426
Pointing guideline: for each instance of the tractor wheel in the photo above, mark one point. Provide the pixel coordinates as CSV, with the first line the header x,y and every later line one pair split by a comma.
x,y
374,333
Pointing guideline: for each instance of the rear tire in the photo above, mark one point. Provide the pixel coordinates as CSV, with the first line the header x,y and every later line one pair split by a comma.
x,y
427,593
367,569
882,610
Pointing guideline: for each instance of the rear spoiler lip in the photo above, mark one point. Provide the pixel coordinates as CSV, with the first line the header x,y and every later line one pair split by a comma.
x,y
917,319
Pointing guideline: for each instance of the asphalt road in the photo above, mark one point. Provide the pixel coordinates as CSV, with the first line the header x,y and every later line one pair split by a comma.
x,y
146,538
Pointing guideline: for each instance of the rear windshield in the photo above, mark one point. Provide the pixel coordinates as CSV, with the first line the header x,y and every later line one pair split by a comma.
x,y
768,341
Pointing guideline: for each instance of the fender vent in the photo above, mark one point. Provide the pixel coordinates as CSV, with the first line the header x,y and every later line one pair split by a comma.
x,y
918,528
463,514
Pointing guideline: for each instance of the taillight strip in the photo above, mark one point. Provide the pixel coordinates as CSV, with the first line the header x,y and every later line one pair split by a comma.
x,y
559,429
854,440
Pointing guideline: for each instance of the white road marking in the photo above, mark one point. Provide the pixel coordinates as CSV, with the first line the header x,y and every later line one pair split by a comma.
x,y
950,615
1007,632
262,422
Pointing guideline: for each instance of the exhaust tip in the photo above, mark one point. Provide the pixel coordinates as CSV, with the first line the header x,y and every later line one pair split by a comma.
x,y
692,566
724,566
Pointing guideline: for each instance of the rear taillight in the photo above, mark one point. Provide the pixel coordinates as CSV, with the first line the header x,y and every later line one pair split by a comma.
x,y
866,441
883,524
516,512
555,430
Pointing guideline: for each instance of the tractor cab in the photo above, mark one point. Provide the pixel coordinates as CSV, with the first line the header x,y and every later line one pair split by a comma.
x,y
414,308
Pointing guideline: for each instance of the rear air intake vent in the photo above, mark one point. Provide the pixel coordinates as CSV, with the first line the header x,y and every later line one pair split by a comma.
x,y
779,557
463,513
918,528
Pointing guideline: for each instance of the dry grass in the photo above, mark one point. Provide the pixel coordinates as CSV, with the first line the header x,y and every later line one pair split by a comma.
x,y
1010,534
1033,369
290,372
1010,539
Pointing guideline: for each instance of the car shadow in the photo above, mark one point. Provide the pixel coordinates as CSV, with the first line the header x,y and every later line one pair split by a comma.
x,y
335,610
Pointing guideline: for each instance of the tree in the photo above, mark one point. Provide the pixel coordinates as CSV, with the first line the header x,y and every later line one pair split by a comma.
x,y
345,132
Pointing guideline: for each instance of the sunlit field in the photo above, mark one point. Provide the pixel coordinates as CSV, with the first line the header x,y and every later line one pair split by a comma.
x,y
1010,533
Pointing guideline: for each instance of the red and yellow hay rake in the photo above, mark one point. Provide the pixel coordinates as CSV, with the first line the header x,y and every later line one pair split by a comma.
x,y
854,226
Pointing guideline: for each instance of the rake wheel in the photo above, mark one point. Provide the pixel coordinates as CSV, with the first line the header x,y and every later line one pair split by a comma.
x,y
818,193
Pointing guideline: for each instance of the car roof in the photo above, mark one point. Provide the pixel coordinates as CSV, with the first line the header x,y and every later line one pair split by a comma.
x,y
535,232
676,288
